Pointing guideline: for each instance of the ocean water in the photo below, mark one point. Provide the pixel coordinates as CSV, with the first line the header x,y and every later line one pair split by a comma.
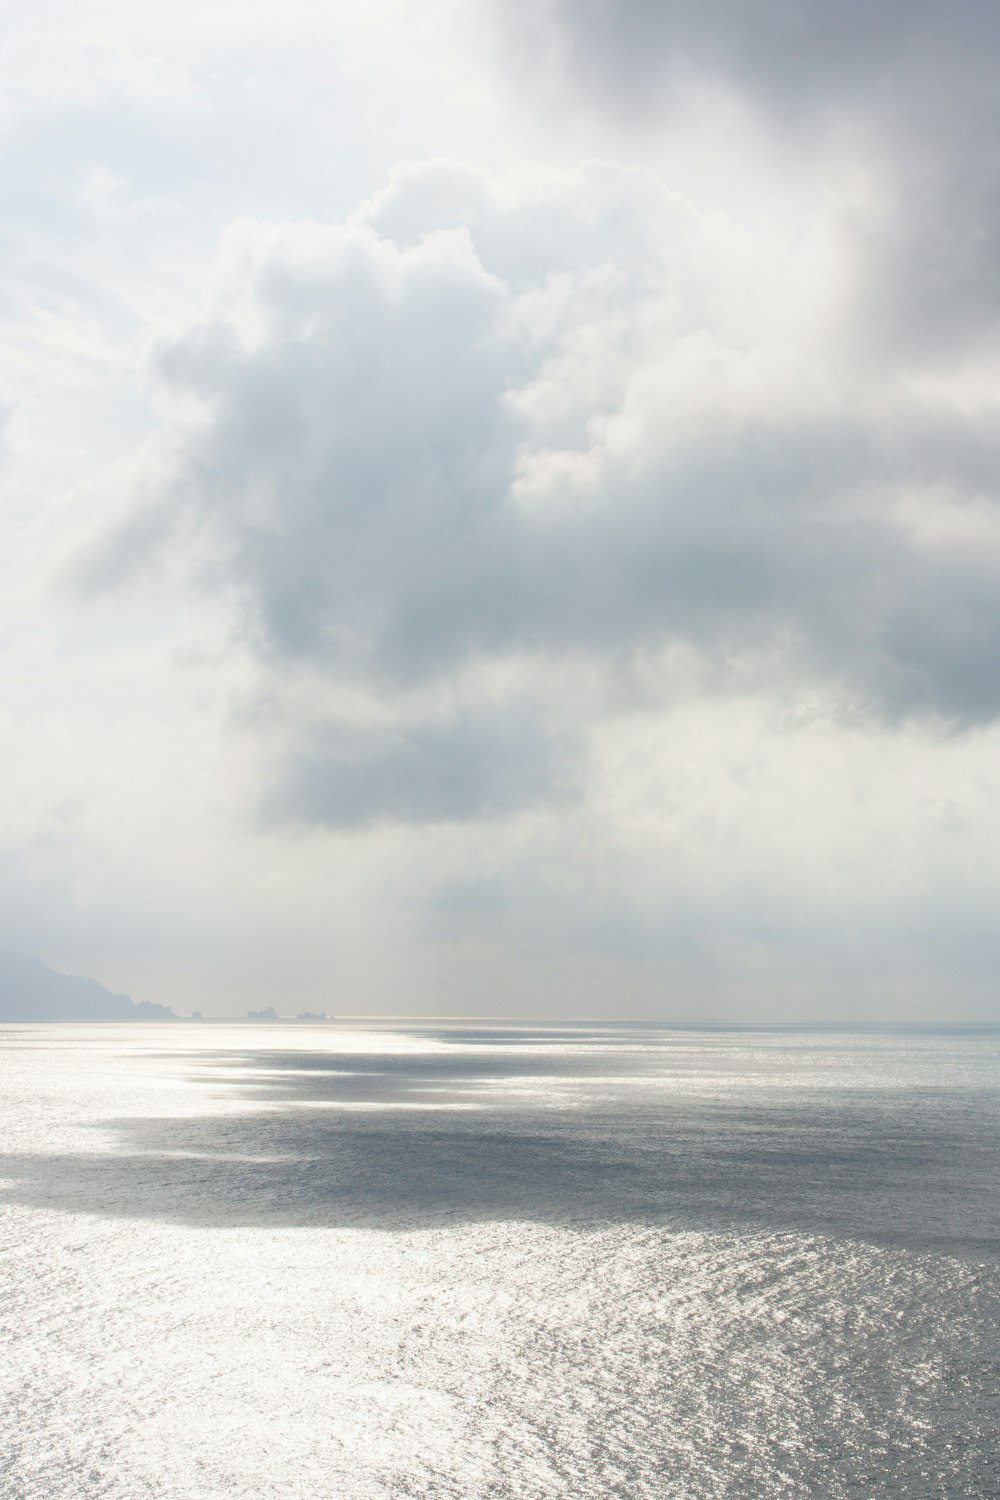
x,y
438,1261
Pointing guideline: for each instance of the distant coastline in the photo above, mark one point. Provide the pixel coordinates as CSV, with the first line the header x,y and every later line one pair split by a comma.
x,y
31,991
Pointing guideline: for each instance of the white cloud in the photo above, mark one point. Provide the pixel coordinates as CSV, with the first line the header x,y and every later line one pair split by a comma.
x,y
532,582
537,428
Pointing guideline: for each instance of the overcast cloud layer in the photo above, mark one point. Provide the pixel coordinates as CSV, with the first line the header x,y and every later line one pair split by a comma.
x,y
503,507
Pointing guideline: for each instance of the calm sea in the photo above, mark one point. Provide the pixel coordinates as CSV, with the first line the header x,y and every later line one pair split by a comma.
x,y
529,1263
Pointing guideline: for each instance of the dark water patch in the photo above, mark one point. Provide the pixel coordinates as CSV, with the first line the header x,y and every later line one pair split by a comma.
x,y
334,1138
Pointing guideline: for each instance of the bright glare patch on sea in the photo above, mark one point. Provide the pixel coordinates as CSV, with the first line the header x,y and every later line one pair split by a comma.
x,y
439,1261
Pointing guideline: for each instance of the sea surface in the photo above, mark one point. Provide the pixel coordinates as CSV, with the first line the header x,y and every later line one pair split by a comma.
x,y
444,1261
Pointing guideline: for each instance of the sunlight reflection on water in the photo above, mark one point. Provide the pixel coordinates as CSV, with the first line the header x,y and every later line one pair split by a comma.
x,y
249,1262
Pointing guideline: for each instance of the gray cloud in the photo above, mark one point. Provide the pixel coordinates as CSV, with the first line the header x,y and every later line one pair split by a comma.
x,y
417,456
468,767
914,82
360,452
611,577
800,57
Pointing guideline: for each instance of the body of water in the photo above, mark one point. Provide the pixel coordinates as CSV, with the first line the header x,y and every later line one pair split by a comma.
x,y
524,1264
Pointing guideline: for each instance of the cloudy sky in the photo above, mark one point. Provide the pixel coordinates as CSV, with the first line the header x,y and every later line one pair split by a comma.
x,y
501,504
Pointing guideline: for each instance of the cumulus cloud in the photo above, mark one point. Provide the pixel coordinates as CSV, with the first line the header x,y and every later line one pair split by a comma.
x,y
560,562
532,420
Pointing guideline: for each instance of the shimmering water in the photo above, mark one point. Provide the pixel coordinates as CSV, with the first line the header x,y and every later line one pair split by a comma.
x,y
317,1262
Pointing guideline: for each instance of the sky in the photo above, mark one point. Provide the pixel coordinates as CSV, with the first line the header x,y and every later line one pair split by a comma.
x,y
500,505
